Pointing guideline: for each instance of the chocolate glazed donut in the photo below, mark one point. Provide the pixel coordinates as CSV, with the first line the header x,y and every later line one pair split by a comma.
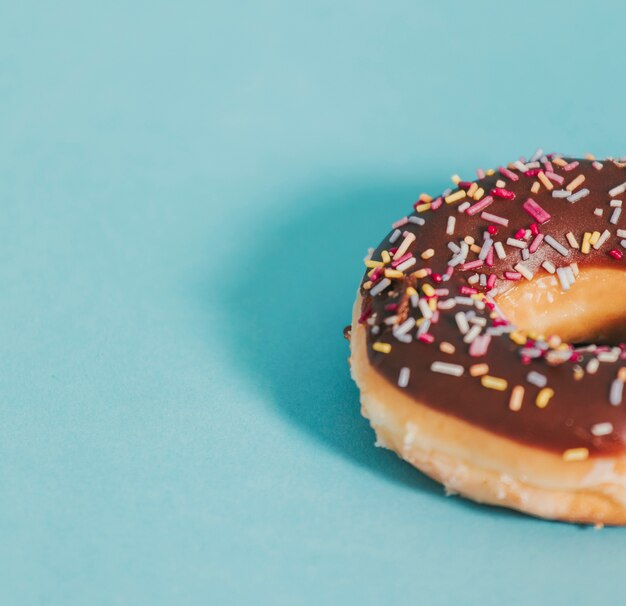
x,y
487,338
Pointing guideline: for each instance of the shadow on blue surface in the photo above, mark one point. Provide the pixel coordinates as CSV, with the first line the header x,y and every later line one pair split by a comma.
x,y
285,317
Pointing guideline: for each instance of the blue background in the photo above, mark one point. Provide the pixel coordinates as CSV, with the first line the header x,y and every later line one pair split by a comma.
x,y
187,191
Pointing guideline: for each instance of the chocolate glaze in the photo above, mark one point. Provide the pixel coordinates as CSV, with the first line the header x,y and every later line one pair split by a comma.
x,y
577,404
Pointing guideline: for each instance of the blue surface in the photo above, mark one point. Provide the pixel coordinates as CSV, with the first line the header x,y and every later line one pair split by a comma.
x,y
187,191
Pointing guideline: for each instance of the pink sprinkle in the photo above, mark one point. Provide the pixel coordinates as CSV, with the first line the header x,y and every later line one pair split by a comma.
x,y
468,290
491,280
464,184
520,233
377,274
533,172
402,259
426,338
400,223
534,245
548,167
476,208
512,275
391,307
536,212
570,166
449,271
436,204
495,219
367,312
616,254
471,265
480,173
500,192
479,346
505,172
554,177
489,259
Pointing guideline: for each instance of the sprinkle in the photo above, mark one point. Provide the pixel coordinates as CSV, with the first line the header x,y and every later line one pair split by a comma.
x,y
536,211
616,254
409,238
616,191
616,393
598,212
544,397
597,165
478,370
516,243
456,197
595,236
404,376
545,181
407,264
451,225
454,370
471,334
537,379
494,383
554,177
517,397
570,166
572,240
461,322
535,187
556,245
419,220
395,235
602,239
522,269
602,429
479,206
427,312
380,286
621,233
576,454
592,366
500,250
500,192
373,264
586,245
447,348
549,267
561,193
381,347
615,216
583,193
393,274
534,245
505,172
385,257
428,254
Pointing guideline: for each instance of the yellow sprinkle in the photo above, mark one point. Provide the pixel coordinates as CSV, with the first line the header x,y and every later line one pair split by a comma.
x,y
545,181
472,190
575,183
425,198
595,236
500,183
446,347
586,245
493,383
579,373
382,347
480,192
455,197
555,341
429,291
411,291
536,186
576,454
419,321
420,273
559,161
373,264
590,157
455,179
393,273
517,397
518,337
367,285
544,396
432,303
621,374
490,172
427,254
478,370
469,240
385,256
420,208
475,248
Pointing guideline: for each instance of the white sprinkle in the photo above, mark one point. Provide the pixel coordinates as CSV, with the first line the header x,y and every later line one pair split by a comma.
x,y
417,220
409,238
623,243
494,219
427,312
615,216
598,212
473,279
500,250
525,254
579,195
609,356
407,325
602,239
395,235
617,391
472,333
404,376
406,264
621,233
378,288
572,240
548,267
602,429
451,225
463,207
461,321
522,269
556,245
615,204
563,278
484,251
538,154
454,370
561,193
454,248
616,191
536,378
592,366
515,242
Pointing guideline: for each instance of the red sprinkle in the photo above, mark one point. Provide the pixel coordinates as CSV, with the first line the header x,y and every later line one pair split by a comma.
x,y
533,172
534,229
520,233
500,192
616,254
493,230
437,278
426,338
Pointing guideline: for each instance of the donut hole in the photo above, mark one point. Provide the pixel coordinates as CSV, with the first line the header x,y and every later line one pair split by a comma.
x,y
591,311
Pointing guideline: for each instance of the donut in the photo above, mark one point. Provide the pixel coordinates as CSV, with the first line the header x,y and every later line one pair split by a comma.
x,y
487,338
